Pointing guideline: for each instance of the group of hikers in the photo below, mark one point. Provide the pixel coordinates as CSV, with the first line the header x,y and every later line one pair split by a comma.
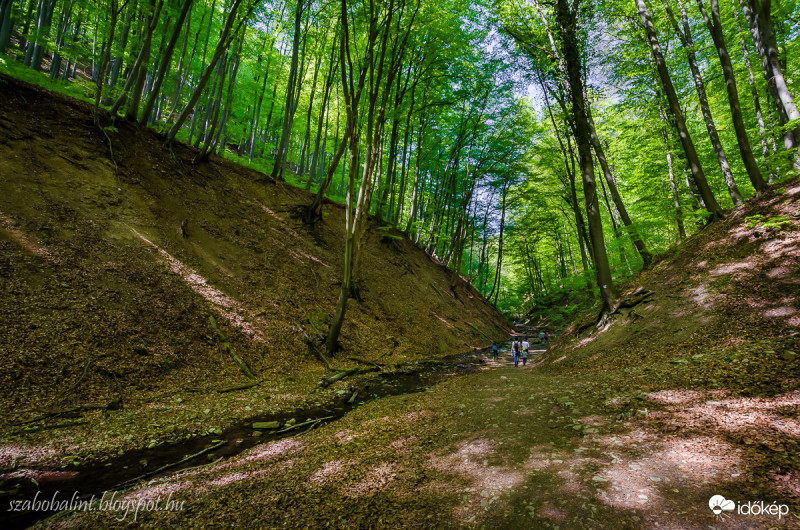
x,y
520,349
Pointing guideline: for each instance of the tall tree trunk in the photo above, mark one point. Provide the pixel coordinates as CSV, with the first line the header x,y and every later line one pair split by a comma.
x,y
143,62
638,242
356,217
6,23
759,20
24,43
674,104
224,42
183,65
762,131
497,273
415,188
323,113
288,113
671,173
115,11
685,34
307,137
166,60
715,28
568,23
195,115
404,162
116,64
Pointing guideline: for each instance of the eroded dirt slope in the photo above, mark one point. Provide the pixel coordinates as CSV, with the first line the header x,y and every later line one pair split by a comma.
x,y
103,295
731,290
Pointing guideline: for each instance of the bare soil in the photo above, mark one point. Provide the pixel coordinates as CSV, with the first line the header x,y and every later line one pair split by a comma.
x,y
104,298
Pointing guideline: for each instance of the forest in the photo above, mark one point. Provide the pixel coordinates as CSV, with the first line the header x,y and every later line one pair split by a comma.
x,y
384,183
531,150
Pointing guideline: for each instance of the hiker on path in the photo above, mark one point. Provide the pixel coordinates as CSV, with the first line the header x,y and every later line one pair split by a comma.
x,y
525,347
542,337
515,351
494,351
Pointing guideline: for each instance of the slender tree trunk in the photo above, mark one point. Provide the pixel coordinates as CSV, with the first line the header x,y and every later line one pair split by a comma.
x,y
115,11
404,161
759,20
43,32
6,23
224,42
183,66
288,113
497,273
715,28
116,64
684,33
166,60
323,113
641,248
356,217
568,23
24,42
754,93
672,182
307,137
203,62
143,62
415,188
674,104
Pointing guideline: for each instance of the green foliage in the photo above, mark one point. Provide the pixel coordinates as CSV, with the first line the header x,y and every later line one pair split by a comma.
x,y
483,125
778,224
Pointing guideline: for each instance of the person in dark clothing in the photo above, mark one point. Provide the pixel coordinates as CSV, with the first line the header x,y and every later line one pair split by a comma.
x,y
494,351
515,351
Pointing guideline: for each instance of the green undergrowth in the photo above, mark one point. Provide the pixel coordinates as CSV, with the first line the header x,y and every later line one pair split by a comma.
x,y
77,88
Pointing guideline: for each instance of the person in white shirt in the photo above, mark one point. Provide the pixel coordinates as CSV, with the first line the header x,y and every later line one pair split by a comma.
x,y
525,346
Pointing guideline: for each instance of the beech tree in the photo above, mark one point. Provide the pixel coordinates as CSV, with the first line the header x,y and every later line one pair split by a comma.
x,y
474,127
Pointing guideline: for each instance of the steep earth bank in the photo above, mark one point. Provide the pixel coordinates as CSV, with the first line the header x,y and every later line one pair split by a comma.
x,y
111,269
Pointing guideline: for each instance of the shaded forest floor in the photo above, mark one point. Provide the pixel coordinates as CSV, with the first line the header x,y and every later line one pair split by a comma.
x,y
690,391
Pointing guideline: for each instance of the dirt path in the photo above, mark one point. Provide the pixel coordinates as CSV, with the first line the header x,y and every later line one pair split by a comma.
x,y
504,447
